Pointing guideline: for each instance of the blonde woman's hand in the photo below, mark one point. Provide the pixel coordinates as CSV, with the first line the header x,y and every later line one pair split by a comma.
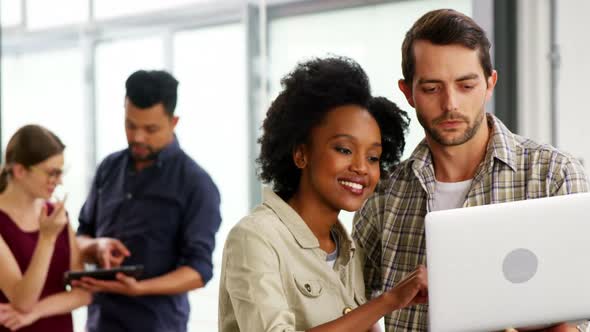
x,y
51,225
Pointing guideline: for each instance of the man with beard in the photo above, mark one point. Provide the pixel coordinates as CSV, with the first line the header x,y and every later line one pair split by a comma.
x,y
467,158
149,205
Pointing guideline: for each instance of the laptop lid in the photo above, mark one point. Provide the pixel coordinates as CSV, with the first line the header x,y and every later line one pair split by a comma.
x,y
509,265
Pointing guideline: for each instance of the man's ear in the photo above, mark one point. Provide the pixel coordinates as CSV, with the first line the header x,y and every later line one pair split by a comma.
x,y
174,121
491,83
407,91
300,156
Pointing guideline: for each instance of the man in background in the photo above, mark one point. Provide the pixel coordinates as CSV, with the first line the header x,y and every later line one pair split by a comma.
x,y
149,205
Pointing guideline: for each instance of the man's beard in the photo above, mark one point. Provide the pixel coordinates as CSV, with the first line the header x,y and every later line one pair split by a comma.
x,y
152,154
438,136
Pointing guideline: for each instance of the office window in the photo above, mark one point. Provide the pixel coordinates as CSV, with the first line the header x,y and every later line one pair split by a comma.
x,y
210,64
372,35
573,66
45,14
112,8
115,61
10,12
46,89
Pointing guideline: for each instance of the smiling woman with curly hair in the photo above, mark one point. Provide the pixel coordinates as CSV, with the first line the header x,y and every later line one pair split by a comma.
x,y
310,92
291,265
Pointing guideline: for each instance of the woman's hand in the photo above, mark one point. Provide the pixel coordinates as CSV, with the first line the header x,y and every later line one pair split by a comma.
x,y
561,327
51,225
14,319
412,289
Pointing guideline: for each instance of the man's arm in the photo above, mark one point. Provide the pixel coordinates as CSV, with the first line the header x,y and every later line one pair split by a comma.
x,y
201,221
181,280
572,179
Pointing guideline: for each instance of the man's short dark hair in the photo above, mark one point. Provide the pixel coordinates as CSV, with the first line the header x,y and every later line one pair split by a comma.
x,y
148,88
445,27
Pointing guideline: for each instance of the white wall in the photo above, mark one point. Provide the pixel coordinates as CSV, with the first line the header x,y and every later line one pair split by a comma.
x,y
534,69
573,113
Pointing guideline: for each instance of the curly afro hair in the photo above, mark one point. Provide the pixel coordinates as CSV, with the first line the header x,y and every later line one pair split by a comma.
x,y
310,91
393,123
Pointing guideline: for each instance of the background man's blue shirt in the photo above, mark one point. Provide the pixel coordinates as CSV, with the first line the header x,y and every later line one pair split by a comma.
x,y
167,215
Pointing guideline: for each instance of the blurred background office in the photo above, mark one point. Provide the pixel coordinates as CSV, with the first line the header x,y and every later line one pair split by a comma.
x,y
64,64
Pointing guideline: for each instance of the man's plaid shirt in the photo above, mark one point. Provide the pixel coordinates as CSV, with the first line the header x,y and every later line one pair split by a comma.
x,y
390,225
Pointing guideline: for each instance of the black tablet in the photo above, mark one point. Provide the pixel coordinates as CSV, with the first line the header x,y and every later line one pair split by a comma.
x,y
104,274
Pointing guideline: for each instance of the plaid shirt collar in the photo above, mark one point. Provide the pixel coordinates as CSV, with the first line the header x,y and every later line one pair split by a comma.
x,y
501,146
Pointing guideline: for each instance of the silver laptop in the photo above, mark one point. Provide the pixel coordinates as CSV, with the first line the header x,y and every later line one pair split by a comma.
x,y
518,264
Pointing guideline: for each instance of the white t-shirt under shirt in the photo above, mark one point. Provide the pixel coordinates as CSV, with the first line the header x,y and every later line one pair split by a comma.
x,y
331,257
450,195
